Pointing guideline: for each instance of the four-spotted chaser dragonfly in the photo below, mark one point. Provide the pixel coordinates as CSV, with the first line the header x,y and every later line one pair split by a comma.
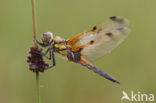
x,y
89,45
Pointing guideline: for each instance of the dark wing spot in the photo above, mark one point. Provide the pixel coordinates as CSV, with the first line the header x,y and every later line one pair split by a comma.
x,y
91,42
109,34
113,18
94,28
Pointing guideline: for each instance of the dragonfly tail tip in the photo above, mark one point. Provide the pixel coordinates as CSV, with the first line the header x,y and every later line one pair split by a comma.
x,y
117,82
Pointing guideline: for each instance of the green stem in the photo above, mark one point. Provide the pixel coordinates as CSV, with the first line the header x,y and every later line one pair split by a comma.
x,y
33,5
38,87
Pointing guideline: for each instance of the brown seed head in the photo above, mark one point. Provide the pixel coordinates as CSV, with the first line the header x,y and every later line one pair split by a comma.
x,y
35,60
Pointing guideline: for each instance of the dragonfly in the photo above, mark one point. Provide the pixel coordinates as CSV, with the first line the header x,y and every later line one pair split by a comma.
x,y
88,46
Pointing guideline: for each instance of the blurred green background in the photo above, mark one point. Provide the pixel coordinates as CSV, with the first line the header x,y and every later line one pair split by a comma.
x,y
132,63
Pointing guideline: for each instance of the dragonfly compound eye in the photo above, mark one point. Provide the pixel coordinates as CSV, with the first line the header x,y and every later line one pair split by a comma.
x,y
46,37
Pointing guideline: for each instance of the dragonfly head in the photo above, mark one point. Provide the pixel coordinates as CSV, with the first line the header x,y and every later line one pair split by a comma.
x,y
47,37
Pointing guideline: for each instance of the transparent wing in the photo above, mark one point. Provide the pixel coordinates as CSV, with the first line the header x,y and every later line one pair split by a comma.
x,y
105,43
108,25
103,37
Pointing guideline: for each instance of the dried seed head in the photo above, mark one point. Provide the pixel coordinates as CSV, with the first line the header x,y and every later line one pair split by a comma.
x,y
37,64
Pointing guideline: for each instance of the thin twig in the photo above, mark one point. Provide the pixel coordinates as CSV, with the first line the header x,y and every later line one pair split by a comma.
x,y
34,20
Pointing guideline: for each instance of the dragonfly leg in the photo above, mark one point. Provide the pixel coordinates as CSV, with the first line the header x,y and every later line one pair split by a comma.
x,y
96,70
53,59
44,45
45,53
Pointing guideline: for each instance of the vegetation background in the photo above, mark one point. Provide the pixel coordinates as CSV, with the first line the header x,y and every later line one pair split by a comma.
x,y
132,63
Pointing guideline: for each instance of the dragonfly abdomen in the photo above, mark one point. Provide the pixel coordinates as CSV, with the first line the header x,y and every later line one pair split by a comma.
x,y
96,70
102,73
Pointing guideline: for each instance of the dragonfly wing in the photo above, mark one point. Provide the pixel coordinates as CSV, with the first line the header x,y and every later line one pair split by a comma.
x,y
105,43
108,25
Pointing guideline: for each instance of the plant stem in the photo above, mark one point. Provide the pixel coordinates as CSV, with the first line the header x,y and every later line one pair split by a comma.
x,y
34,19
33,5
38,87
